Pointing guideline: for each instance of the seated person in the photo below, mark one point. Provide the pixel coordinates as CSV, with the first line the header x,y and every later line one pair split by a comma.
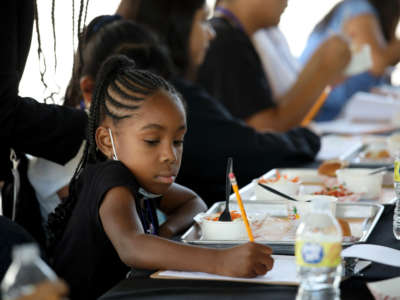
x,y
132,156
364,22
233,72
214,133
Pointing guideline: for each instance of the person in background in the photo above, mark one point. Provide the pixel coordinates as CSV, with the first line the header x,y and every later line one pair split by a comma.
x,y
363,22
233,72
214,133
132,156
50,131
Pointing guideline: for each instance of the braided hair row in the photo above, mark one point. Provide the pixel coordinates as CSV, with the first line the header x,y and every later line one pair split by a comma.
x,y
119,91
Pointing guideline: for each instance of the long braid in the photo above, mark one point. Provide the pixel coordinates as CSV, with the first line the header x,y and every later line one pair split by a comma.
x,y
53,23
138,85
39,49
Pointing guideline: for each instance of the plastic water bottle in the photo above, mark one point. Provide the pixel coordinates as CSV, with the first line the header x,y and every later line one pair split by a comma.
x,y
396,213
318,253
25,272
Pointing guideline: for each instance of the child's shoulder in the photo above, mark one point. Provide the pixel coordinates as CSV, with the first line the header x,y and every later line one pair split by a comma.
x,y
109,172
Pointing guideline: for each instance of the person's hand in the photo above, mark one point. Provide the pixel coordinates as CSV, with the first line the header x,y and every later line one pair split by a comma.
x,y
335,55
48,290
248,260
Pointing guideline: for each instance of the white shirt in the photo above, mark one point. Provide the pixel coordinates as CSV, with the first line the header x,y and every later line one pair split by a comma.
x,y
279,65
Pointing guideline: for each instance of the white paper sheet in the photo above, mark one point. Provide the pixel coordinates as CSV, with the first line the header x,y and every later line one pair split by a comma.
x,y
375,253
284,271
335,146
370,106
344,126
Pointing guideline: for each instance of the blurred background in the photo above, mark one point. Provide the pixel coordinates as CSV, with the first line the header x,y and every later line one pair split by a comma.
x,y
296,23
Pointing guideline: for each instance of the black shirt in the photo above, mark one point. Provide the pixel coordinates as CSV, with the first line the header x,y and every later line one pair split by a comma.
x,y
232,72
214,134
50,131
85,257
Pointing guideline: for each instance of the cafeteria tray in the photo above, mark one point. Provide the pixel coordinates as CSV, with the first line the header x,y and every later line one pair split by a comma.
x,y
311,182
363,215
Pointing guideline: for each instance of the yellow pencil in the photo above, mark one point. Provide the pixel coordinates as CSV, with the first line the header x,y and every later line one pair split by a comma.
x,y
316,107
239,200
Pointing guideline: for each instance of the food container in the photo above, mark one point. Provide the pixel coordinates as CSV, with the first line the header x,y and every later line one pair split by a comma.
x,y
218,230
284,184
358,180
303,207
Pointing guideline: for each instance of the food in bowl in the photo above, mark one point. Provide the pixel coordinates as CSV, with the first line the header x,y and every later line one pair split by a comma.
x,y
282,183
358,180
214,230
329,167
377,154
340,192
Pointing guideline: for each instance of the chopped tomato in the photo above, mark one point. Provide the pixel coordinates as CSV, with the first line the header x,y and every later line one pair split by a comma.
x,y
278,177
234,215
336,191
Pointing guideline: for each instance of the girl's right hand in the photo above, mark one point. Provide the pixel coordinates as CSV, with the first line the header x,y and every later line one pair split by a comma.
x,y
248,260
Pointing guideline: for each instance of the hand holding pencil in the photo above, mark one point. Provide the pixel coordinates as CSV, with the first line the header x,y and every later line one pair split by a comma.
x,y
250,259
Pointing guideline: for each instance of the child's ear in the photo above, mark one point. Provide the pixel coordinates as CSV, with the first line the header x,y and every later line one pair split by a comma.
x,y
103,141
87,86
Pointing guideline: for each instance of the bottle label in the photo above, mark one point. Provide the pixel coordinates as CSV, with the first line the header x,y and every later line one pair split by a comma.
x,y
396,176
315,254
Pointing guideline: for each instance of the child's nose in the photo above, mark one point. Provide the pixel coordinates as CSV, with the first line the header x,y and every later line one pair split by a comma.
x,y
170,153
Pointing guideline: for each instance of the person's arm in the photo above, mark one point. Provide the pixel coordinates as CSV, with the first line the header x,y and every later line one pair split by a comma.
x,y
365,29
128,8
180,204
122,225
323,68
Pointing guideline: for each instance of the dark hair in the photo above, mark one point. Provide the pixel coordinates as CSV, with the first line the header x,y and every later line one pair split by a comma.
x,y
108,35
133,86
83,7
388,16
172,20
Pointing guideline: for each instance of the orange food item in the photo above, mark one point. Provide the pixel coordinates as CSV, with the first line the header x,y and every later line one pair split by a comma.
x,y
377,154
336,191
277,177
329,167
234,215
345,227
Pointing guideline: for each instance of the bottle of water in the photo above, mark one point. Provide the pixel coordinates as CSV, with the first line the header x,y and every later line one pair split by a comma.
x,y
318,253
396,213
25,272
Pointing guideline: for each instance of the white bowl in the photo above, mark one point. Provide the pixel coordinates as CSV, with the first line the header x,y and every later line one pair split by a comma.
x,y
393,143
303,207
283,185
219,231
357,180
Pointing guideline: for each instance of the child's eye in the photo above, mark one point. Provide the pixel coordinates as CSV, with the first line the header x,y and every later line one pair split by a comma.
x,y
152,142
178,142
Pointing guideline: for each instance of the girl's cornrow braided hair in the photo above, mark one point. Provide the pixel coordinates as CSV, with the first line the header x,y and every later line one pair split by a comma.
x,y
117,76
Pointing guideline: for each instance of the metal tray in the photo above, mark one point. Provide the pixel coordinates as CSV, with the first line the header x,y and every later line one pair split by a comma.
x,y
366,215
358,159
312,181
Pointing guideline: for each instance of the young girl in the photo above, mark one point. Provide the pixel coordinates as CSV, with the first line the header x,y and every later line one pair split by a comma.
x,y
132,157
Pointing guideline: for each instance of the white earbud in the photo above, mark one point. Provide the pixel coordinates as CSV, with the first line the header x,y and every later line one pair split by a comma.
x,y
115,156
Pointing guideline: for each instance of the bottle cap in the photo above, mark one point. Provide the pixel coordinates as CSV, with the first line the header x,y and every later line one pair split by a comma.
x,y
25,251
